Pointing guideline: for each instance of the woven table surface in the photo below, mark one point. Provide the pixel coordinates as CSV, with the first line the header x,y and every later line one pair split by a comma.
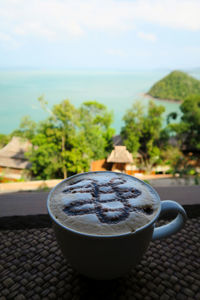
x,y
32,267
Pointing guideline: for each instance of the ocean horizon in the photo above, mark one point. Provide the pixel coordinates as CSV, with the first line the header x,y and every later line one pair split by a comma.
x,y
118,90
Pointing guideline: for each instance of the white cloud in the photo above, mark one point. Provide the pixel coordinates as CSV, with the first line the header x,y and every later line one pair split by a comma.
x,y
57,18
61,20
147,36
116,52
180,14
8,40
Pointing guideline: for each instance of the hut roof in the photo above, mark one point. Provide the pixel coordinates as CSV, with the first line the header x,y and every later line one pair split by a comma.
x,y
120,155
117,140
12,155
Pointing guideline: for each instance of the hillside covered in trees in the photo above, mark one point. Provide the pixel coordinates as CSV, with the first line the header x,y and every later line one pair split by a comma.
x,y
175,86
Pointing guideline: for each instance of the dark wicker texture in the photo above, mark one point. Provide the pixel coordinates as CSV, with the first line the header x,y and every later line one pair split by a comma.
x,y
32,267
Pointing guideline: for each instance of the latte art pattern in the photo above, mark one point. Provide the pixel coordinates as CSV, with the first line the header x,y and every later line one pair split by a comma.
x,y
111,201
103,203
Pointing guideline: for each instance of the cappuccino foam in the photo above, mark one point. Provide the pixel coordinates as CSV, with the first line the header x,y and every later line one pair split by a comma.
x,y
103,203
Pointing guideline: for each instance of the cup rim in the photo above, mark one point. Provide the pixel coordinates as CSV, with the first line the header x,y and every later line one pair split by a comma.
x,y
83,234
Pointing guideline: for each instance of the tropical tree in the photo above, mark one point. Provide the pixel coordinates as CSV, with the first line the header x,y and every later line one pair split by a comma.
x,y
44,156
69,139
142,132
95,122
79,158
188,129
187,134
4,139
27,128
53,141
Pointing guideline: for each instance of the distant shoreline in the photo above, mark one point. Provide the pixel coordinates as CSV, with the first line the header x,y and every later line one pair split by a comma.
x,y
167,100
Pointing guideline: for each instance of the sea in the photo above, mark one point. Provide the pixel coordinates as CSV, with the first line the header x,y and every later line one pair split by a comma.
x,y
118,90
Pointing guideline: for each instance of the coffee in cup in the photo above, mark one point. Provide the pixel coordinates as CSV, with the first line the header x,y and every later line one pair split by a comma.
x,y
104,221
104,204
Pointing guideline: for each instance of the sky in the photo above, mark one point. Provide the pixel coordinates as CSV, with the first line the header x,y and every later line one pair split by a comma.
x,y
100,34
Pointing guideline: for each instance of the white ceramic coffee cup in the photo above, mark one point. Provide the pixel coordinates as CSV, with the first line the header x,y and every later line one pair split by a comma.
x,y
108,257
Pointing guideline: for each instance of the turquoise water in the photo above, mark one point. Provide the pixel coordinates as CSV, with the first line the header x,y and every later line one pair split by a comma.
x,y
19,91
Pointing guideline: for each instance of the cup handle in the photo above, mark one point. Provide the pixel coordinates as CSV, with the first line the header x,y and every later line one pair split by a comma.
x,y
174,226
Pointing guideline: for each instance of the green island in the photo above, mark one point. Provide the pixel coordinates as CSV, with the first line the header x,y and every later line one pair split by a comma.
x,y
175,86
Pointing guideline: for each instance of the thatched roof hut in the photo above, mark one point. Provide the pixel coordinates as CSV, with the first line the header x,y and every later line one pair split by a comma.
x,y
120,155
13,154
